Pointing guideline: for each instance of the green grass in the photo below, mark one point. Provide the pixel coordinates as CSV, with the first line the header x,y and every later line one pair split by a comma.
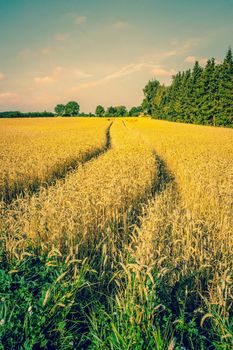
x,y
49,303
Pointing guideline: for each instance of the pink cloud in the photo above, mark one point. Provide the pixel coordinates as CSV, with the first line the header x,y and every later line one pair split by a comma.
x,y
120,24
46,50
193,59
8,97
80,19
62,37
162,72
2,76
60,73
44,80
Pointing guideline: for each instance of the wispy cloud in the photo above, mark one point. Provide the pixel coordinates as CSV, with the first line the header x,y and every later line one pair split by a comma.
x,y
160,56
77,73
125,71
80,19
59,73
162,72
193,59
46,50
120,24
9,97
45,80
62,37
2,76
191,43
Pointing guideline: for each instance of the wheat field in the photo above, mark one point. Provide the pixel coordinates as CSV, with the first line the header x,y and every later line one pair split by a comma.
x,y
34,152
115,234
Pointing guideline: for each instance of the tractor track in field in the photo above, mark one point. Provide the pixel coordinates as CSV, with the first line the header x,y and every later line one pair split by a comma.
x,y
74,165
162,179
101,289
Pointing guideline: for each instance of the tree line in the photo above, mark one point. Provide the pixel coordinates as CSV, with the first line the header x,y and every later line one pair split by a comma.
x,y
198,96
118,111
17,114
72,109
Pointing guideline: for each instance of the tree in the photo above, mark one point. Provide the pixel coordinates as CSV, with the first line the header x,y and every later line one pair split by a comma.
x,y
201,95
118,111
121,111
208,93
149,93
158,99
72,108
226,90
60,109
110,112
190,94
135,111
99,111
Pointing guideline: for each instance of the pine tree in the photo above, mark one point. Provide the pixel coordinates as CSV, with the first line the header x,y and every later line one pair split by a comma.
x,y
208,90
186,91
195,92
201,96
226,90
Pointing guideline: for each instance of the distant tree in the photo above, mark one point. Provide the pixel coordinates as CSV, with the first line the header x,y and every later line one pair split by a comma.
x,y
150,91
60,109
121,111
111,112
135,111
17,114
118,111
72,108
100,111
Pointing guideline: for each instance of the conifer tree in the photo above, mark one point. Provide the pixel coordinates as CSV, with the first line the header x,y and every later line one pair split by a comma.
x,y
201,96
226,90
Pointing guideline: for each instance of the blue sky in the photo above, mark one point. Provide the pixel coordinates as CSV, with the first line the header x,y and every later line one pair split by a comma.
x,y
105,51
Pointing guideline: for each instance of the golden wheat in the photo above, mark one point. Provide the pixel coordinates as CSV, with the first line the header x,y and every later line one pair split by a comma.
x,y
90,203
187,230
154,209
34,151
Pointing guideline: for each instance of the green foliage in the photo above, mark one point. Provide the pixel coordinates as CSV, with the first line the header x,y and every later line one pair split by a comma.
x,y
121,111
143,314
71,109
110,112
100,111
17,114
135,111
60,109
200,95
150,91
38,308
49,303
118,111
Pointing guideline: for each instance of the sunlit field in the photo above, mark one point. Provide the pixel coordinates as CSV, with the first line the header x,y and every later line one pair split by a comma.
x,y
34,152
115,233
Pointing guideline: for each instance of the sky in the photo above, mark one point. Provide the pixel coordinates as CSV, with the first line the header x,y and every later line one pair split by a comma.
x,y
103,51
